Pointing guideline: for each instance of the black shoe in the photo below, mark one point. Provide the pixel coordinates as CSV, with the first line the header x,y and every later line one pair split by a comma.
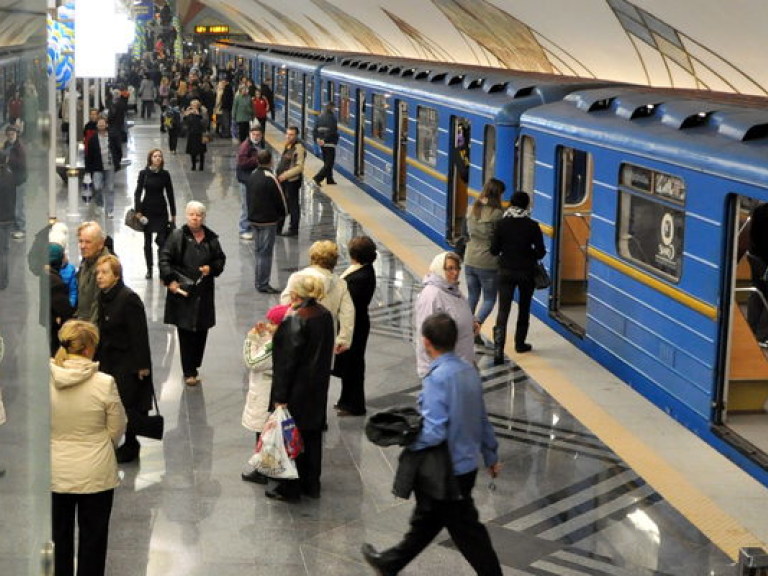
x,y
148,275
330,182
375,560
275,494
479,340
127,453
311,492
290,233
523,348
268,290
317,182
256,477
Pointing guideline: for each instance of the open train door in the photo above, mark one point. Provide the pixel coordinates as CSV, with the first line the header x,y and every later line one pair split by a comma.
x,y
360,135
741,397
458,180
572,234
400,154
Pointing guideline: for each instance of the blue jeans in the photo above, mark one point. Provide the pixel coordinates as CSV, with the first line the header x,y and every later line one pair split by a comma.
x,y
487,280
244,225
20,217
104,190
264,237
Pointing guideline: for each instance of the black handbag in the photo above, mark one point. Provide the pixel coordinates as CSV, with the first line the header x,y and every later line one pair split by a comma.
x,y
541,279
132,221
150,426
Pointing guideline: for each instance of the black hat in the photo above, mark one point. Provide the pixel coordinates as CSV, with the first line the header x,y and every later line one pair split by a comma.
x,y
520,200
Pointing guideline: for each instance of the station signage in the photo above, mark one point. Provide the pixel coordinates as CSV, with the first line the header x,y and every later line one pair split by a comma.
x,y
212,29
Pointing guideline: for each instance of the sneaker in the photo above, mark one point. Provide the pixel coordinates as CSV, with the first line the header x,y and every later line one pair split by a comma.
x,y
246,236
18,235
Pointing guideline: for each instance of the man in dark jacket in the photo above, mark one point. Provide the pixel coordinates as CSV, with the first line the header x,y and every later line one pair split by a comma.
x,y
15,158
247,161
266,207
326,134
103,161
451,402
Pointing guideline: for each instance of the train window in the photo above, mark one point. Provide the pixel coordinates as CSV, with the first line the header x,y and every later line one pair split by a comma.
x,y
379,117
344,112
280,83
426,143
489,156
525,165
576,179
266,74
309,96
330,93
652,182
294,86
650,228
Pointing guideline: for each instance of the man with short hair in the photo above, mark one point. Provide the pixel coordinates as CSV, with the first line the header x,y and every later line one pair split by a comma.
x,y
90,240
290,173
247,161
266,207
102,161
452,405
15,158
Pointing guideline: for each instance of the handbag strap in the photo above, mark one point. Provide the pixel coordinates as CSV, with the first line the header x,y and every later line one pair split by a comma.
x,y
154,400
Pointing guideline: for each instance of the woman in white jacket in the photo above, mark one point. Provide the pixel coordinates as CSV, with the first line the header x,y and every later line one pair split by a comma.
x,y
87,421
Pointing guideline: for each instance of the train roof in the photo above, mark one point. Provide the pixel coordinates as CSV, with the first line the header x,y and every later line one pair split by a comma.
x,y
709,135
502,95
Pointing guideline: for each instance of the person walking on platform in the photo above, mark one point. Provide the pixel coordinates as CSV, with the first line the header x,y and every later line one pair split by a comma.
x,y
123,350
196,120
455,419
102,162
154,200
87,421
326,134
266,207
247,162
242,112
519,244
190,260
260,109
290,173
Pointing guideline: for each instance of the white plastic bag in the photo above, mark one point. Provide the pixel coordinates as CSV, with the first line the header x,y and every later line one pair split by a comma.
x,y
271,458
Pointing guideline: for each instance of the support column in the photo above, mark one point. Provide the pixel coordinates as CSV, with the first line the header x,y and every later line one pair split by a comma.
x,y
73,180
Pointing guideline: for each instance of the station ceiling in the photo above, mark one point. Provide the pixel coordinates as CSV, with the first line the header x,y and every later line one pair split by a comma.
x,y
694,44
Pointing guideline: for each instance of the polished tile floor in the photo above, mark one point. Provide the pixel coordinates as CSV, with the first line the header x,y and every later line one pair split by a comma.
x,y
565,504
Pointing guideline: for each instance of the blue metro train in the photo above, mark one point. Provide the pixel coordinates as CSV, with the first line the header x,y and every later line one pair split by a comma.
x,y
644,196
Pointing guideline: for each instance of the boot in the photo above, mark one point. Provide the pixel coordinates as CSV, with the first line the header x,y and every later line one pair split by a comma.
x,y
499,339
202,162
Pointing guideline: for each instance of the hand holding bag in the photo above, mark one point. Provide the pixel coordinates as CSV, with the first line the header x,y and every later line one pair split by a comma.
x,y
132,220
541,278
271,458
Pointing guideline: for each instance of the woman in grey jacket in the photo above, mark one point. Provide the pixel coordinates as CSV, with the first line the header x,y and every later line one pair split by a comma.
x,y
480,266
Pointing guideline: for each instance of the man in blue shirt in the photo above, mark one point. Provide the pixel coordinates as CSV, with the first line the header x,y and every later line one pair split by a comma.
x,y
453,409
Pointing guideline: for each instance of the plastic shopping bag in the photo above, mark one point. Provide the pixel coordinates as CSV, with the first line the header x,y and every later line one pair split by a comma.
x,y
271,458
294,445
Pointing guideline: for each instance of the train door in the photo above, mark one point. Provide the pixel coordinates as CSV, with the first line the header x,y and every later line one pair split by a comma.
x,y
400,144
572,235
360,135
458,181
309,107
742,393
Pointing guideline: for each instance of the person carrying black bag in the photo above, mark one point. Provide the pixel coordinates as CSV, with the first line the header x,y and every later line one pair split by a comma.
x,y
154,201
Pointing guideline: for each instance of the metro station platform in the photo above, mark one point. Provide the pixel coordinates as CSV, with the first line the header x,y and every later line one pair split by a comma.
x,y
596,481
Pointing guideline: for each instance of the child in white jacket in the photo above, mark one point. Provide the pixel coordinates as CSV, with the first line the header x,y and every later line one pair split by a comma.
x,y
257,355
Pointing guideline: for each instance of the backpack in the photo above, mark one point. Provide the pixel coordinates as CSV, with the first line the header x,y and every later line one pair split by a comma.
x,y
170,119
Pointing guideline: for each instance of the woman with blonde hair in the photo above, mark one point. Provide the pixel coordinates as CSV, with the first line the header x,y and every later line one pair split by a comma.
x,y
301,371
87,420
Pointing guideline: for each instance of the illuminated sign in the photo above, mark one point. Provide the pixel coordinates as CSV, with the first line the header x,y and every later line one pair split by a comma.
x,y
213,29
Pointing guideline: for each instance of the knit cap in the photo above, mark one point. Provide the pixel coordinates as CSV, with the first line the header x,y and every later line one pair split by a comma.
x,y
55,255
277,313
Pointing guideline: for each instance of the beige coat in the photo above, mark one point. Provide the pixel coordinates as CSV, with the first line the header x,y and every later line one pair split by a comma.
x,y
257,355
87,421
337,300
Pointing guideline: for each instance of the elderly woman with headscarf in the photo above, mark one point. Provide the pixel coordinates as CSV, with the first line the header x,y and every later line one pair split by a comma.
x,y
441,294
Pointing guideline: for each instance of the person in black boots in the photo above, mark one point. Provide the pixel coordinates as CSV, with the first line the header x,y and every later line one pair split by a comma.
x,y
326,134
123,350
519,244
154,200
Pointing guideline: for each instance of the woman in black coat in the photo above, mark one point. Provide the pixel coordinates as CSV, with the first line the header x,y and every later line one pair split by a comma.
x,y
123,350
350,365
519,244
196,121
191,258
302,351
155,201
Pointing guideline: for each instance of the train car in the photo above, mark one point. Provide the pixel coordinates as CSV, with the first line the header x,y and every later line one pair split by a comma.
x,y
422,137
643,198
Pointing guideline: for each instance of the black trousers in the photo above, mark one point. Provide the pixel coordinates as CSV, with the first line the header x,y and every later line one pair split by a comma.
x,y
461,520
510,281
309,464
173,139
292,192
160,238
329,159
242,130
192,348
92,512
